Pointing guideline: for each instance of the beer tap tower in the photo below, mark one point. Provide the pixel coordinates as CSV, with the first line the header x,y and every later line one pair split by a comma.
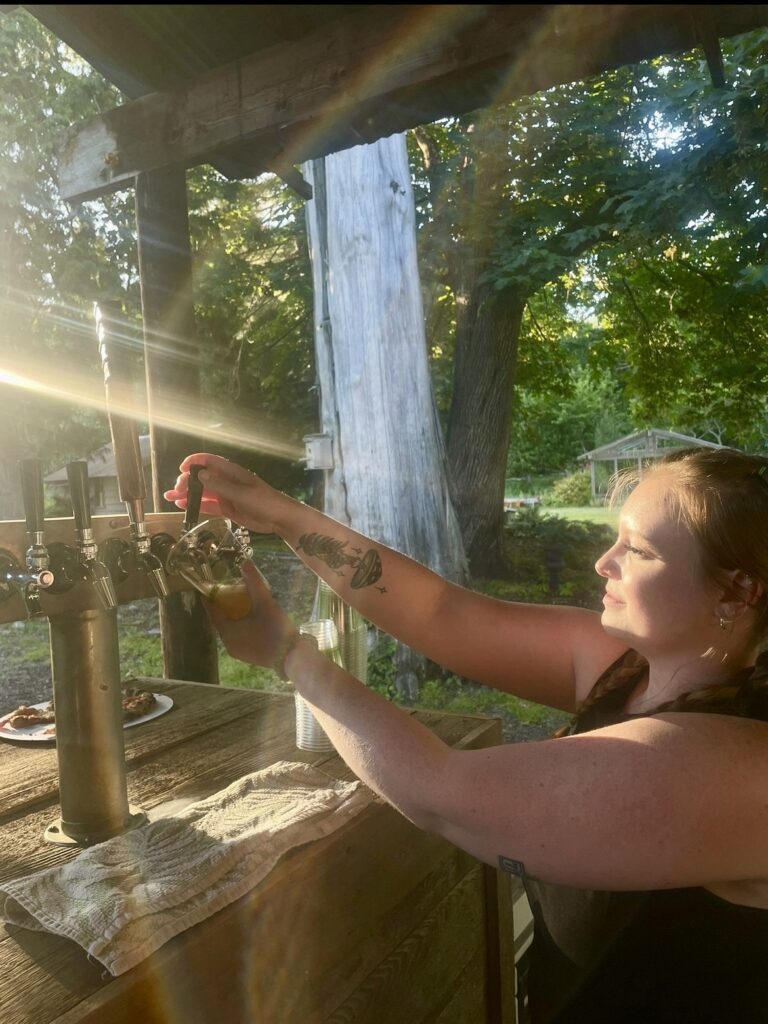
x,y
87,693
77,579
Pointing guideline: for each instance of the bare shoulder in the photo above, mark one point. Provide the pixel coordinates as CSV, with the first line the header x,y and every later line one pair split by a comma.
x,y
672,800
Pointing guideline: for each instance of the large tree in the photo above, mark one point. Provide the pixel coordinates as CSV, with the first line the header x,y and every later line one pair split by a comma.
x,y
513,200
53,261
251,271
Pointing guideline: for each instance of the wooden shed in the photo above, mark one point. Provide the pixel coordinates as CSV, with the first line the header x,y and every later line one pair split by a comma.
x,y
635,449
102,476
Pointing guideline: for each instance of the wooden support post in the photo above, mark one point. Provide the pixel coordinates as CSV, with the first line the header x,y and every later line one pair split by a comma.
x,y
173,389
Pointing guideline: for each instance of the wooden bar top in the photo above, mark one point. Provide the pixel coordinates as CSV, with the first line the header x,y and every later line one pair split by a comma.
x,y
310,942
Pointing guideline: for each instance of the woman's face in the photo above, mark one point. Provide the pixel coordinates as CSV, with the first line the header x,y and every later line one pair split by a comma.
x,y
657,596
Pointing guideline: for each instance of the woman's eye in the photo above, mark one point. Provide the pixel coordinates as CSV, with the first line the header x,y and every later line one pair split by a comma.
x,y
634,551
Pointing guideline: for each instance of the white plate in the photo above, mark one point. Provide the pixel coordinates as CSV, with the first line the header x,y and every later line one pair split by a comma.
x,y
37,734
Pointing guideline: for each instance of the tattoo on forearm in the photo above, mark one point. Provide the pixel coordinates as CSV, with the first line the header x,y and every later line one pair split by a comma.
x,y
367,565
512,867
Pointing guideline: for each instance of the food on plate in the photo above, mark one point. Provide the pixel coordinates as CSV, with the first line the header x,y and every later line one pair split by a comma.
x,y
135,704
24,716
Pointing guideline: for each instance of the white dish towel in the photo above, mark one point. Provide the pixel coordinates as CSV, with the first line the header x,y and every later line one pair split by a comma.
x,y
123,899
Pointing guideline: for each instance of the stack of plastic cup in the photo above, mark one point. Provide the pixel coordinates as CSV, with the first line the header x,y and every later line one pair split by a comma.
x,y
310,735
351,627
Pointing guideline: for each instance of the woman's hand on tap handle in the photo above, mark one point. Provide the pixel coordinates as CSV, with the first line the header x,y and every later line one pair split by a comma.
x,y
231,491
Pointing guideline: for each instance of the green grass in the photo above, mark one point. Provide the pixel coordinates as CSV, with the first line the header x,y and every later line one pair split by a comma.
x,y
248,677
587,513
25,643
460,698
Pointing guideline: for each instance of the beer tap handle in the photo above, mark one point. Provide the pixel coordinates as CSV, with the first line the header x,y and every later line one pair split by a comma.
x,y
77,474
194,498
92,569
125,439
38,576
32,496
122,422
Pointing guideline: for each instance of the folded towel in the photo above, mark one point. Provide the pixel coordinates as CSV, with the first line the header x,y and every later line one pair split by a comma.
x,y
123,899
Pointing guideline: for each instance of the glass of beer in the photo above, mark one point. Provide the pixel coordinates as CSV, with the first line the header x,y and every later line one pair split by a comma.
x,y
209,557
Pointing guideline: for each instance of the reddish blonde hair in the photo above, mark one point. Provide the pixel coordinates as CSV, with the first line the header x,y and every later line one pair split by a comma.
x,y
721,497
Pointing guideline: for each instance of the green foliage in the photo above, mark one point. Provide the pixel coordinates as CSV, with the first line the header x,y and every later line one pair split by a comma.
x,y
549,430
381,668
574,489
453,695
253,290
54,260
551,560
24,643
140,655
253,306
630,211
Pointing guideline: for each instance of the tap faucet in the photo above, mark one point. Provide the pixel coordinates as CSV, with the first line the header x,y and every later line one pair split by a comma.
x,y
92,569
38,575
125,443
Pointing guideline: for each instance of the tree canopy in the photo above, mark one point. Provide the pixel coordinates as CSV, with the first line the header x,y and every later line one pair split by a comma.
x,y
593,257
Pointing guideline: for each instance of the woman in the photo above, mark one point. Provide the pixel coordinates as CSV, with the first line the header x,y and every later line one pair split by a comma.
x,y
642,833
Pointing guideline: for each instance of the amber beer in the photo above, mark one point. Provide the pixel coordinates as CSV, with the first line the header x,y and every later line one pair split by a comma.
x,y
232,599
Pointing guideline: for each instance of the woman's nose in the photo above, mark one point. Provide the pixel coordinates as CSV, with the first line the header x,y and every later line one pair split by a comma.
x,y
606,563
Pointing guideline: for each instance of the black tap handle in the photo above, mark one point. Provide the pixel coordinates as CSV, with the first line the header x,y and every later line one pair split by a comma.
x,y
77,474
120,402
32,494
194,498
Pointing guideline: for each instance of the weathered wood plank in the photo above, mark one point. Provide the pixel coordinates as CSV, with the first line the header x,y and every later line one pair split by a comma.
x,y
29,774
305,939
467,1002
326,78
436,953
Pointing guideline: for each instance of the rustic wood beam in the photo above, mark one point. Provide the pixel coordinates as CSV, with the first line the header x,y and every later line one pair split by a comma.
x,y
316,84
371,74
172,363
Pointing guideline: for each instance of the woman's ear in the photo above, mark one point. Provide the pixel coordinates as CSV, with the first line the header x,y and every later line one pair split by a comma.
x,y
740,591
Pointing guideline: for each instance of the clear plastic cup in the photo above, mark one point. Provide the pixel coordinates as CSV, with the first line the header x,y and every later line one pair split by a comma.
x,y
351,626
310,735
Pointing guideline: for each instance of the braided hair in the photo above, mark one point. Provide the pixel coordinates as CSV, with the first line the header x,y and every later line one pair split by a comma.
x,y
721,497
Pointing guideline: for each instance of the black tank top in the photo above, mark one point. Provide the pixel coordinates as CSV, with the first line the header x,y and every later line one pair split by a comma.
x,y
674,956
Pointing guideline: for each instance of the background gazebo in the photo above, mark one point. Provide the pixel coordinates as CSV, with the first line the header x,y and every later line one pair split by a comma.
x,y
636,449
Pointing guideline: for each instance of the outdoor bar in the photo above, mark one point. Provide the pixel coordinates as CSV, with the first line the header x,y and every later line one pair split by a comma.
x,y
352,914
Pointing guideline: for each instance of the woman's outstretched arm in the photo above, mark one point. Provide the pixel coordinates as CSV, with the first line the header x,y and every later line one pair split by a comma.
x,y
546,654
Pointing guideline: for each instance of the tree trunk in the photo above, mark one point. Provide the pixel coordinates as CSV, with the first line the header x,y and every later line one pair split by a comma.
x,y
479,422
389,475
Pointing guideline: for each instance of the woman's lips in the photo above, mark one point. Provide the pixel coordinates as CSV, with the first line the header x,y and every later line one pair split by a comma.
x,y
610,601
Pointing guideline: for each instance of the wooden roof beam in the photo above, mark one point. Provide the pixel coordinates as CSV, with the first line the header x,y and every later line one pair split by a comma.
x,y
326,91
321,78
382,70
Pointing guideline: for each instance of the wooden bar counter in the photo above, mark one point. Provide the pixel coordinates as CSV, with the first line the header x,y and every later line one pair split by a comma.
x,y
378,923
